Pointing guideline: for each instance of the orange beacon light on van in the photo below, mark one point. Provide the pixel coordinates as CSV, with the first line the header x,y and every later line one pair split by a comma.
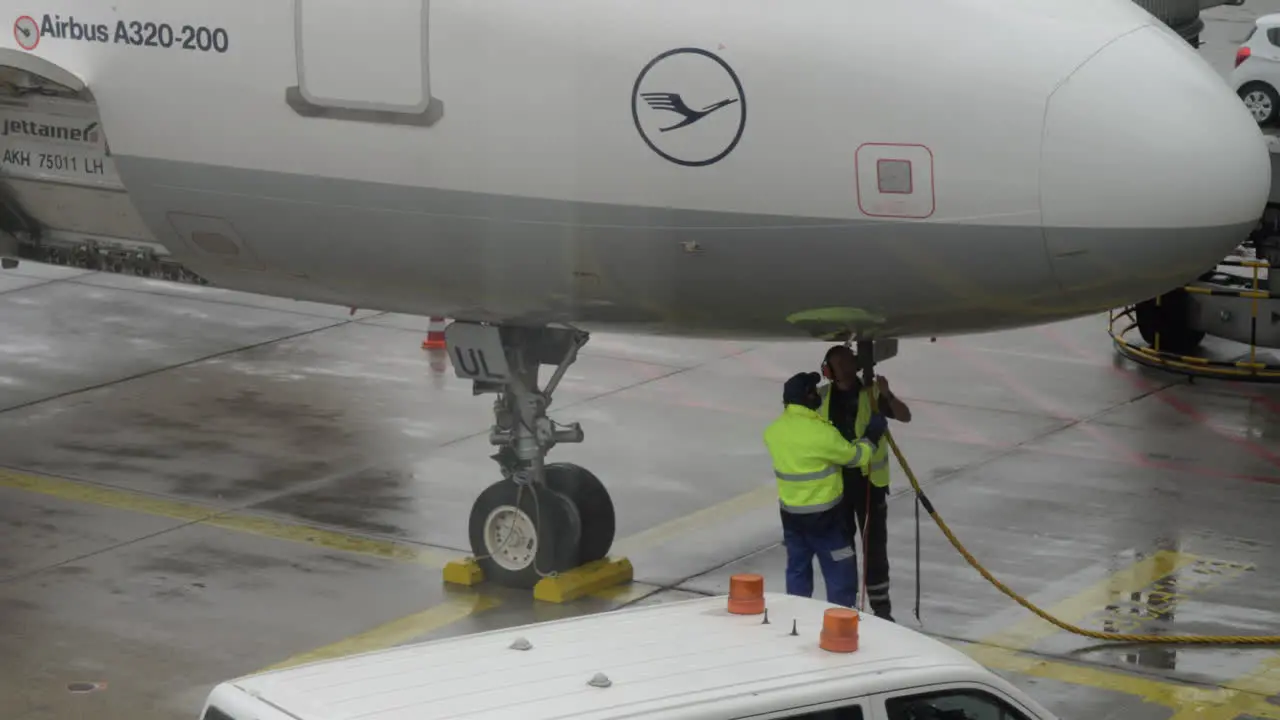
x,y
839,630
746,594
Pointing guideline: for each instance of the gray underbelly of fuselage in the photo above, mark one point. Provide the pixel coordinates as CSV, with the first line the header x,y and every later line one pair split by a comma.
x,y
680,272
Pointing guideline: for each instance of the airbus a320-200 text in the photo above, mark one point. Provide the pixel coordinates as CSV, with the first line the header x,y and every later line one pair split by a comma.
x,y
200,38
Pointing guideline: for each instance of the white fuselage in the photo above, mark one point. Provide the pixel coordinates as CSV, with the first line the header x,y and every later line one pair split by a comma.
x,y
911,168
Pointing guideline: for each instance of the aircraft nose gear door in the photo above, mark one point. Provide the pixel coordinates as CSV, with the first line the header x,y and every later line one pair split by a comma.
x,y
59,191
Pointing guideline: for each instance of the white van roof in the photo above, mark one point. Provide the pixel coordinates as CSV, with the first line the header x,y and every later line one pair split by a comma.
x,y
656,659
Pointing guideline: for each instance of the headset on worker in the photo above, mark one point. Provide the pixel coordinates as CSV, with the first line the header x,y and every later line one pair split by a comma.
x,y
826,361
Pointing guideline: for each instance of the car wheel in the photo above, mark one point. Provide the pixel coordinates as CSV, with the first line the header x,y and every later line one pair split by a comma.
x,y
1261,101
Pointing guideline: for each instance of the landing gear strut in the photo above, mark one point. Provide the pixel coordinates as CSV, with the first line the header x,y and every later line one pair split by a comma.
x,y
539,519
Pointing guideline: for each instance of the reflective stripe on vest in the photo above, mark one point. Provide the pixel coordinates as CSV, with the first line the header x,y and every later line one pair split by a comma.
x,y
809,492
801,477
810,499
806,484
806,509
878,470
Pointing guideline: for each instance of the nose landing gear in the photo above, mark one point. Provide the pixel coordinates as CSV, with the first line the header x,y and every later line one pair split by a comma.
x,y
543,526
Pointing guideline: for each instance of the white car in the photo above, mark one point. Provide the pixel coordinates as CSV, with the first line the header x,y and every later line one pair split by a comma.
x,y
1256,76
710,659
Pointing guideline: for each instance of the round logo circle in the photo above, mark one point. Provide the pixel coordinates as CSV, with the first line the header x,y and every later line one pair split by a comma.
x,y
27,32
689,107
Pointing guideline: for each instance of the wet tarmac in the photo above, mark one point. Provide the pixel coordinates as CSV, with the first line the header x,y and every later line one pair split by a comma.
x,y
201,484
197,484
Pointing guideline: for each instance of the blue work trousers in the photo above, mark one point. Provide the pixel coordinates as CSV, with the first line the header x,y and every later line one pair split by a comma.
x,y
825,535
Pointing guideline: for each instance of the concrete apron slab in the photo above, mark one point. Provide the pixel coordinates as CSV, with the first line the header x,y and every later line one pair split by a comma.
x,y
296,485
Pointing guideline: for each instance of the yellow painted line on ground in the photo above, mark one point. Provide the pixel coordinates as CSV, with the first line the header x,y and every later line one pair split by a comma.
x,y
397,631
629,592
700,520
1165,693
332,540
84,492
1250,696
454,609
1240,704
412,626
1189,701
1244,696
106,497
1118,586
1263,680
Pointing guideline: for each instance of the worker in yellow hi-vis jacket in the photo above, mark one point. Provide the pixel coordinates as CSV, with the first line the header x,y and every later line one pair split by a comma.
x,y
808,455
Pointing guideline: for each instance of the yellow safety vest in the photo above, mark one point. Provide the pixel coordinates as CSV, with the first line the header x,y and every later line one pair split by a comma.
x,y
878,469
808,453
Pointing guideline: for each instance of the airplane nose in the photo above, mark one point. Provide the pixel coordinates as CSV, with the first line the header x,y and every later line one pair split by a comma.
x,y
1151,168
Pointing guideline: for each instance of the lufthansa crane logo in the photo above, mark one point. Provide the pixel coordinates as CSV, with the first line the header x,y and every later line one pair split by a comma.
x,y
689,107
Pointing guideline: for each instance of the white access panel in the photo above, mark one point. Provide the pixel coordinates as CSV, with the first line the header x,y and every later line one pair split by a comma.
x,y
895,180
364,61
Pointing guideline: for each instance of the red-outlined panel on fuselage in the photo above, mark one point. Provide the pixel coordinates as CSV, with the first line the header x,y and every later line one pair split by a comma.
x,y
879,165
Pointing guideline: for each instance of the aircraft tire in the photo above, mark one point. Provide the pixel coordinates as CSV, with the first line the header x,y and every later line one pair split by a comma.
x,y
595,507
547,531
1170,319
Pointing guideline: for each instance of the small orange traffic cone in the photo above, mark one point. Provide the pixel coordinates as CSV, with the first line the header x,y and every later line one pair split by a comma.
x,y
435,335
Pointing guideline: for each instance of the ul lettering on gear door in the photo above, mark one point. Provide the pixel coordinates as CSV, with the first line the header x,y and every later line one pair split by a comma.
x,y
895,180
367,62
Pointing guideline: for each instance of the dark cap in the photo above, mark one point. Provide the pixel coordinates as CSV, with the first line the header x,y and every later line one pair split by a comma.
x,y
797,389
839,350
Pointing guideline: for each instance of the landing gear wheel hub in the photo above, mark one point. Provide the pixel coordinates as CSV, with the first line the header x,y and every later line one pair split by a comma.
x,y
510,538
